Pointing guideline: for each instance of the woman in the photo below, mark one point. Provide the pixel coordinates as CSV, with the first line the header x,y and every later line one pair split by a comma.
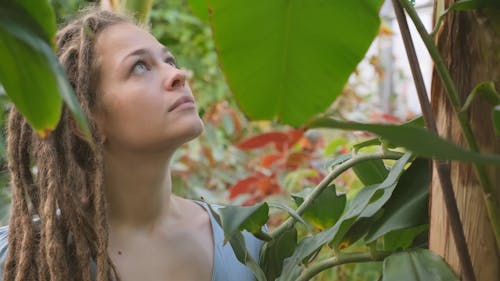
x,y
106,211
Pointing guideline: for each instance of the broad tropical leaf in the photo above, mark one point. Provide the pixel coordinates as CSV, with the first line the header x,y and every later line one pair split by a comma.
x,y
30,72
290,59
414,138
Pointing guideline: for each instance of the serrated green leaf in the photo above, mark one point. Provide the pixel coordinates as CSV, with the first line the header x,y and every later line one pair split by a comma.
x,y
408,206
325,209
416,265
275,252
417,139
361,206
238,218
269,49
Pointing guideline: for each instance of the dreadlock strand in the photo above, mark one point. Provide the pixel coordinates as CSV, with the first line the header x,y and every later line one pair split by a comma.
x,y
15,232
66,190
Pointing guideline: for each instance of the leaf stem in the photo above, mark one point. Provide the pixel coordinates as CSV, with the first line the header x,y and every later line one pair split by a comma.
x,y
442,167
337,170
339,260
489,192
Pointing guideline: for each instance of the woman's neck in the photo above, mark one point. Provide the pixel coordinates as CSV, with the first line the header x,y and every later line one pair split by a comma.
x,y
138,188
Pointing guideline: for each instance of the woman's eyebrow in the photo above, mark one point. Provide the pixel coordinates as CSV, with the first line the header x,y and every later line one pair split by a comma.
x,y
138,52
146,51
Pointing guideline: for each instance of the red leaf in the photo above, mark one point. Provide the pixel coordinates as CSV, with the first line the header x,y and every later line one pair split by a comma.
x,y
246,185
268,185
258,186
269,159
296,159
279,139
294,136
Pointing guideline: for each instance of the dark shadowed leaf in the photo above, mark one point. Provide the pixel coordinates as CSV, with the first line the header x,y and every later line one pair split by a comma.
x,y
464,5
275,252
238,244
269,51
404,238
418,265
408,204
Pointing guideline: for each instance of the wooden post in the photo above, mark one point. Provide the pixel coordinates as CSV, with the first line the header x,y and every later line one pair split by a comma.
x,y
470,45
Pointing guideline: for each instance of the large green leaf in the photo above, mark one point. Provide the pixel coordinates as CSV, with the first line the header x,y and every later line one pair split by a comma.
x,y
418,265
367,203
199,8
27,74
30,71
42,12
408,204
417,139
290,58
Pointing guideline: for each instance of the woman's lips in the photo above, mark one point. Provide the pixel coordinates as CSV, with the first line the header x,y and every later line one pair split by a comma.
x,y
182,102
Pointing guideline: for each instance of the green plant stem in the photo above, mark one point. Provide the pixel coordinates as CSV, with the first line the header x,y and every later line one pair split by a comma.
x,y
337,170
442,167
489,193
345,258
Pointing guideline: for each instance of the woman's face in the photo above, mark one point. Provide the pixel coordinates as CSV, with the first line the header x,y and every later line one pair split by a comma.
x,y
145,102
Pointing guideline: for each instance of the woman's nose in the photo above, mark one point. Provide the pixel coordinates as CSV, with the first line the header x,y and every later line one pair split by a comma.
x,y
176,79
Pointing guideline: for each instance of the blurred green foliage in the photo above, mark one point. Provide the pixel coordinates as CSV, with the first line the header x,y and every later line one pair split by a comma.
x,y
211,164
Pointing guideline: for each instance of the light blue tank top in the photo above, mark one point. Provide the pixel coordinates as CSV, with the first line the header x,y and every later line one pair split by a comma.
x,y
226,265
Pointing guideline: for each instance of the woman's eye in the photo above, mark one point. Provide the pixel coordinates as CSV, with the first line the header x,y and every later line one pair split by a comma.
x,y
139,67
172,62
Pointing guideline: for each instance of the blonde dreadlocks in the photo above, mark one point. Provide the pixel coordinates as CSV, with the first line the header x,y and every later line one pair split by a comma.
x,y
58,226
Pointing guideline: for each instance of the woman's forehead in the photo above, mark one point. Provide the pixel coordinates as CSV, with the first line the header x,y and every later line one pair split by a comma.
x,y
120,40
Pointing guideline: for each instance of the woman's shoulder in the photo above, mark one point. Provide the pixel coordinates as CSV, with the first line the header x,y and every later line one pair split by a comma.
x,y
3,247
